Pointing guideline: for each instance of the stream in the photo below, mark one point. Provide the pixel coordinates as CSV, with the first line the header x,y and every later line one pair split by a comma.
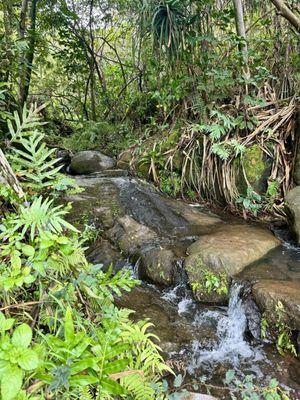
x,y
202,342
199,340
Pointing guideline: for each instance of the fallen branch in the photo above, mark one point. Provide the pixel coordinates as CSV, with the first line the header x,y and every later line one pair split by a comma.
x,y
21,305
8,176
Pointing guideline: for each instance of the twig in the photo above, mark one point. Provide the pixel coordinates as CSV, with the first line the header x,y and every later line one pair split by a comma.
x,y
20,305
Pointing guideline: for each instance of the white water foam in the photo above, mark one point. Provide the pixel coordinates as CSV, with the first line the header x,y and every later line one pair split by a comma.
x,y
184,305
231,348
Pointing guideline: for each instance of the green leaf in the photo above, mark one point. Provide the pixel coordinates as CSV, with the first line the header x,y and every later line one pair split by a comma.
x,y
11,383
178,381
28,360
28,250
115,366
16,261
83,365
111,386
7,324
69,326
83,380
22,336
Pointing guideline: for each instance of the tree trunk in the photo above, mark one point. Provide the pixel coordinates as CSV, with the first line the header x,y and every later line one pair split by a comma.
x,y
8,177
25,83
287,13
92,92
6,58
241,31
23,16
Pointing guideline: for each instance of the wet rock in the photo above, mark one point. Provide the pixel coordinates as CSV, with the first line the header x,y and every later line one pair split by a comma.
x,y
103,252
157,265
230,249
176,332
97,205
130,235
124,160
88,162
292,202
111,173
268,292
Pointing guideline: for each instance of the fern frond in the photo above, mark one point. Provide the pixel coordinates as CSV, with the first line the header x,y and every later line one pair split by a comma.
x,y
30,157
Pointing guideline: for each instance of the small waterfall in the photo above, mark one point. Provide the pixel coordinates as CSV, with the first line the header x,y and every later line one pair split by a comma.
x,y
231,347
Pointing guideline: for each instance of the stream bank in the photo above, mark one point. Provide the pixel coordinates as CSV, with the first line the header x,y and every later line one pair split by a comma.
x,y
169,242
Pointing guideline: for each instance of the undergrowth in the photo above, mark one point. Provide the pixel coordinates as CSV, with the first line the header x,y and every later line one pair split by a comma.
x,y
61,335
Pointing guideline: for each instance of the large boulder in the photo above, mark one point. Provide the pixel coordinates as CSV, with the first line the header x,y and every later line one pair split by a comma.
x,y
103,252
88,162
227,251
267,293
292,202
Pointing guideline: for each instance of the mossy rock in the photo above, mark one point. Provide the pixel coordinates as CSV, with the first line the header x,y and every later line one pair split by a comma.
x,y
142,169
257,168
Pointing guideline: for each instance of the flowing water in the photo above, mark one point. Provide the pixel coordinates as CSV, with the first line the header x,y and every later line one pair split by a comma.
x,y
197,340
203,342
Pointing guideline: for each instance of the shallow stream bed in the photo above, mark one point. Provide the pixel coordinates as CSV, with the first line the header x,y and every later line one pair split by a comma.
x,y
199,340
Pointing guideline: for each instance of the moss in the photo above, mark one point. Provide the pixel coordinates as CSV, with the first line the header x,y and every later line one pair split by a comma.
x,y
142,169
170,141
254,165
257,169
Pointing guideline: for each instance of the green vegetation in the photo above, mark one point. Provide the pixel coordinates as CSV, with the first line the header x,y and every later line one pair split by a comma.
x,y
45,279
280,330
199,95
211,283
234,388
202,95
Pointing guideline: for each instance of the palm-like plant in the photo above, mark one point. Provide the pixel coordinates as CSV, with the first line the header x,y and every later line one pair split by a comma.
x,y
166,21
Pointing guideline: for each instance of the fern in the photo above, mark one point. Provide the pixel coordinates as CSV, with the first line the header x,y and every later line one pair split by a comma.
x,y
37,217
64,262
221,150
138,386
29,155
34,165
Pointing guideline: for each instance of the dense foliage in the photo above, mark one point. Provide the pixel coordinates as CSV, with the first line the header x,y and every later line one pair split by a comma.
x,y
61,335
209,94
202,97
